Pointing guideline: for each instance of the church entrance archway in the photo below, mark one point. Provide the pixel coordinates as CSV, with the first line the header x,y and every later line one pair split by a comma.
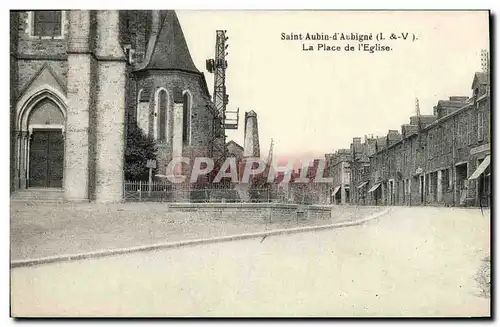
x,y
46,147
40,142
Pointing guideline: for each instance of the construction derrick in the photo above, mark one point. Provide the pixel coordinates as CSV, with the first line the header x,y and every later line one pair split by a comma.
x,y
221,121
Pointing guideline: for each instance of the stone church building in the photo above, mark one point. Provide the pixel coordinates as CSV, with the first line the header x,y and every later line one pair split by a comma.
x,y
79,79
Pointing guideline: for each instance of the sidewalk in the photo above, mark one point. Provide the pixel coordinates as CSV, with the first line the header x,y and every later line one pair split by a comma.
x,y
43,230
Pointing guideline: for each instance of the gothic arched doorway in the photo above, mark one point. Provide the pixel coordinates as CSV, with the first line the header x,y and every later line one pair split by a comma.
x,y
46,148
40,126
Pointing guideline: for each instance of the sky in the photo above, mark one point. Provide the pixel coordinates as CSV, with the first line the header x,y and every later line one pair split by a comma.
x,y
315,102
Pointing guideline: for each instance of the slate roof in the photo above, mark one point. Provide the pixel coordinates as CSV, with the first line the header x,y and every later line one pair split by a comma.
x,y
170,50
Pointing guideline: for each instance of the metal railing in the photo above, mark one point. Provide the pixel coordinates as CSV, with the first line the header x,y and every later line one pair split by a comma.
x,y
165,191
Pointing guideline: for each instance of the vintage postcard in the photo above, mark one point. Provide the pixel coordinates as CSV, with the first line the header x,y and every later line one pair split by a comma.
x,y
307,163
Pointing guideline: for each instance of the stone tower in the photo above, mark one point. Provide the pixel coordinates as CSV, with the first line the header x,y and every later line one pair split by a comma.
x,y
251,146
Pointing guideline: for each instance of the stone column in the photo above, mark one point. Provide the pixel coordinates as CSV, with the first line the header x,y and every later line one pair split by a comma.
x,y
19,173
425,188
177,124
383,200
409,192
16,157
26,159
110,109
420,190
342,186
80,62
24,139
453,183
439,186
182,189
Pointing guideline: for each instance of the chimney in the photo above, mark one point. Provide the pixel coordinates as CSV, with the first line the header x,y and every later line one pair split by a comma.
x,y
408,130
356,145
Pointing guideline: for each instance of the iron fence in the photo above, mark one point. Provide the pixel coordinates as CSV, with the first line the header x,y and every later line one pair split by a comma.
x,y
165,191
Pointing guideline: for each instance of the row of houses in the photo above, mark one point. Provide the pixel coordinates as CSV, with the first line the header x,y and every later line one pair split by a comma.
x,y
440,159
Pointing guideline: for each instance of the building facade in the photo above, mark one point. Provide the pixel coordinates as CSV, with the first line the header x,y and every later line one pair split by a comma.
x,y
79,78
441,159
339,169
360,171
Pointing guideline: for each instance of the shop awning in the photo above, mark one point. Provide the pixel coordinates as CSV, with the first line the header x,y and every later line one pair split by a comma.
x,y
335,190
482,167
374,187
362,184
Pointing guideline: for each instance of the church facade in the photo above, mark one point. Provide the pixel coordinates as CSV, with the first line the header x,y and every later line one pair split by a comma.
x,y
80,79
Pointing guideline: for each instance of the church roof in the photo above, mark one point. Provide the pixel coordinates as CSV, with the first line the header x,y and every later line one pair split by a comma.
x,y
479,78
170,50
235,144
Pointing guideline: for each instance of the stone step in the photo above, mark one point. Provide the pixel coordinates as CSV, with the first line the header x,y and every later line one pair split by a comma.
x,y
41,194
38,195
46,201
35,197
41,190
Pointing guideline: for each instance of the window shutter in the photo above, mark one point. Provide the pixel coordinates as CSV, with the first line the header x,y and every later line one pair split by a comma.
x,y
471,124
480,126
436,144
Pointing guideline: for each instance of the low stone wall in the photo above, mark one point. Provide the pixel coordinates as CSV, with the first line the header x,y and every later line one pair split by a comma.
x,y
268,212
319,212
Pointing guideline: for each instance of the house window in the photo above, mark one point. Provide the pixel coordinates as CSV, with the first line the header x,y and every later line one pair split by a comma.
x,y
47,23
439,141
459,133
471,128
436,143
480,126
443,140
430,147
463,132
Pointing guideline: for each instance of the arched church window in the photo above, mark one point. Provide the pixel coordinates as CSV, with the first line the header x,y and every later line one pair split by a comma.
x,y
142,114
162,113
186,119
137,106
